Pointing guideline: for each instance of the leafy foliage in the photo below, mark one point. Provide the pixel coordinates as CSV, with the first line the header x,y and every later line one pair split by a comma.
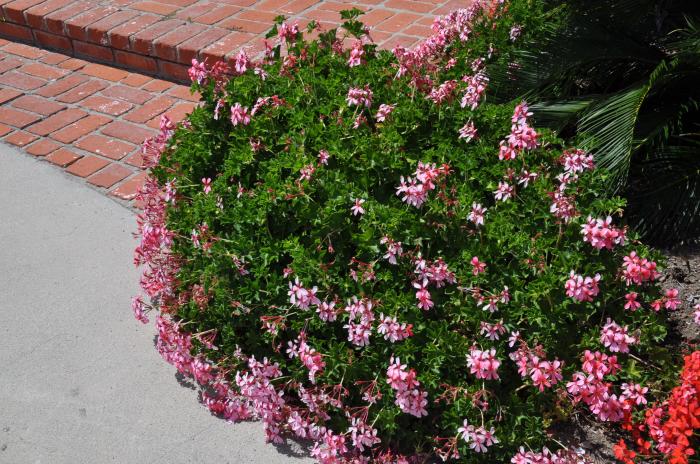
x,y
621,77
294,262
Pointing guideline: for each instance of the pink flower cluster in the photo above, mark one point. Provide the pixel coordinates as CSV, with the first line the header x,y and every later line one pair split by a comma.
x,y
492,331
638,270
483,364
476,215
522,136
409,398
435,273
153,147
468,131
669,301
359,331
582,288
302,297
308,356
588,386
415,191
262,397
444,93
479,438
532,363
476,86
616,338
384,111
360,97
600,233
576,161
562,456
392,330
356,53
393,249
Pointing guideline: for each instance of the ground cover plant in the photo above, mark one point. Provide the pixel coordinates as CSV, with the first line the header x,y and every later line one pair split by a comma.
x,y
359,248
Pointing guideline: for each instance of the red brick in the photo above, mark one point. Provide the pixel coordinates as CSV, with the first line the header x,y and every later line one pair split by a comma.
x,y
63,157
53,58
418,30
135,160
190,48
156,85
20,138
184,93
154,7
10,63
104,72
21,81
55,21
53,41
57,121
111,106
119,37
50,73
166,45
42,147
136,96
178,112
39,105
127,190
227,45
198,9
142,42
408,5
398,39
105,146
135,80
35,15
87,165
16,118
136,61
180,3
4,130
62,85
97,52
82,91
174,71
23,50
15,31
260,16
374,17
297,6
270,5
8,94
109,176
84,126
150,110
217,14
128,132
73,64
398,22
244,25
98,32
14,11
338,7
76,27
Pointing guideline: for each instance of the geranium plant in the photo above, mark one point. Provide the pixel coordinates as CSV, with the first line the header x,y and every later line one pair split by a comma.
x,y
358,248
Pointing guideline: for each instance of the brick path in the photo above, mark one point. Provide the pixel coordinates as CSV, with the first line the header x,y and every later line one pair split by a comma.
x,y
87,118
90,119
160,37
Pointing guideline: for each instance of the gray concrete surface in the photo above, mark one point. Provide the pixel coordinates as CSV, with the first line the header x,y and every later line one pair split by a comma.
x,y
80,380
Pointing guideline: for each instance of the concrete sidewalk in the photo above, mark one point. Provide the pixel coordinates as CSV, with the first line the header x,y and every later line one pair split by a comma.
x,y
81,381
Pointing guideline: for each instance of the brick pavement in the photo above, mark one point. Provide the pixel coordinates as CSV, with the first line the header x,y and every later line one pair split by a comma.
x,y
160,37
86,118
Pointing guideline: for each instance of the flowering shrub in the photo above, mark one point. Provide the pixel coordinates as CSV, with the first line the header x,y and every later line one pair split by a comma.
x,y
358,248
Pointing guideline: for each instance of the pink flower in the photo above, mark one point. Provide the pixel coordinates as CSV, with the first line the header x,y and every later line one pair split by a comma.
x,y
393,249
476,86
357,207
483,364
576,161
492,331
468,131
582,288
392,330
384,112
515,32
241,62
601,234
632,303
356,54
479,439
671,300
615,338
504,191
423,295
477,266
138,306
443,93
477,214
696,314
362,435
360,97
323,156
638,270
302,297
206,181
326,311
198,72
287,32
240,115
634,392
